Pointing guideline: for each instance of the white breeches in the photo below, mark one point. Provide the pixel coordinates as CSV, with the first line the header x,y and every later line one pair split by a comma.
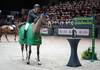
x,y
26,26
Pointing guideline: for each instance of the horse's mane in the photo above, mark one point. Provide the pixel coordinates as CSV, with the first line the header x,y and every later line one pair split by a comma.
x,y
36,20
38,24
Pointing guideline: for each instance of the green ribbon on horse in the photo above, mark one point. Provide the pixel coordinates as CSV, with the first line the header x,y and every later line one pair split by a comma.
x,y
33,38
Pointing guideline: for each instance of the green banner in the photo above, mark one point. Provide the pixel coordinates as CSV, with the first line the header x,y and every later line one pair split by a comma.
x,y
83,20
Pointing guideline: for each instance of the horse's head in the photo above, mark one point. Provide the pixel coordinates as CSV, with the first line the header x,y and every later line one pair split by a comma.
x,y
43,18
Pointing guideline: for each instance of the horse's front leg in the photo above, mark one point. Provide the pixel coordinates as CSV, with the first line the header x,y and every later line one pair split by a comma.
x,y
15,36
28,60
22,49
38,54
6,37
15,33
0,39
26,47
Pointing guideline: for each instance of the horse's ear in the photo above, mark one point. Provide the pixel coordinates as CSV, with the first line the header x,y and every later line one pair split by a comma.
x,y
45,14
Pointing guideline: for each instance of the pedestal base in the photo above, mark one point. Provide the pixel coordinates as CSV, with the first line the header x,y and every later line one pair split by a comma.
x,y
73,61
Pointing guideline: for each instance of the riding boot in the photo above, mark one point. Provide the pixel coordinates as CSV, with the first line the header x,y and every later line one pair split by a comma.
x,y
25,34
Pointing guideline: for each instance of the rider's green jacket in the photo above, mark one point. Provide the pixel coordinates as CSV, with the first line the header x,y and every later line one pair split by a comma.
x,y
32,16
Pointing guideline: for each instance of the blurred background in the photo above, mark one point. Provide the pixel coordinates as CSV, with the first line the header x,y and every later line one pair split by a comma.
x,y
61,13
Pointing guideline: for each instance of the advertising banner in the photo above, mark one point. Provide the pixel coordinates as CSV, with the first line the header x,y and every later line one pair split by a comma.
x,y
44,31
80,32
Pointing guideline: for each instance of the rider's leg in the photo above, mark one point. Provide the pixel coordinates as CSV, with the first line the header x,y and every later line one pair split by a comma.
x,y
25,30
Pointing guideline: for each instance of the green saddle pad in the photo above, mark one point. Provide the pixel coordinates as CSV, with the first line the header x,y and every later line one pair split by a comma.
x,y
31,39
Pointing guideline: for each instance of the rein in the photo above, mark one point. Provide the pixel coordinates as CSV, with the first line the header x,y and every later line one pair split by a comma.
x,y
36,20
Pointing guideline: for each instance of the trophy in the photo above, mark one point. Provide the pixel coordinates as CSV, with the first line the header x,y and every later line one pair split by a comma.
x,y
74,32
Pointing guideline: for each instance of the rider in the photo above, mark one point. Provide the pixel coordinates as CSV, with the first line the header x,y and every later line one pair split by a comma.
x,y
33,16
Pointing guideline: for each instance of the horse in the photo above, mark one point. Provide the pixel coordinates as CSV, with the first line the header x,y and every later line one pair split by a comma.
x,y
6,29
33,38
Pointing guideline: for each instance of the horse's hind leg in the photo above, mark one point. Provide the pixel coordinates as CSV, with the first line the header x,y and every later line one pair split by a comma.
x,y
28,61
15,33
38,54
0,37
6,37
26,52
22,49
15,36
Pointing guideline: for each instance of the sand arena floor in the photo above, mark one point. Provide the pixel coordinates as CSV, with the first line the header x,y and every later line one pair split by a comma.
x,y
54,55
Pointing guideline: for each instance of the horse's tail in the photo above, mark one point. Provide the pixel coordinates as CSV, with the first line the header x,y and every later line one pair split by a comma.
x,y
0,31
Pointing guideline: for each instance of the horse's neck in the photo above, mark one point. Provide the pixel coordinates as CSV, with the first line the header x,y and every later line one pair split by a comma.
x,y
39,22
37,25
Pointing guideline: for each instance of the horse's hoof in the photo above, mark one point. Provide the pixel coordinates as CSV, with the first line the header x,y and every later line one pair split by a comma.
x,y
28,62
39,63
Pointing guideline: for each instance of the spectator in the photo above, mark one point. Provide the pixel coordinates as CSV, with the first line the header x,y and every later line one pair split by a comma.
x,y
67,10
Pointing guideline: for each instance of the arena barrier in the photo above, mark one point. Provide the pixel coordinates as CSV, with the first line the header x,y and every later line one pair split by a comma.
x,y
46,31
83,26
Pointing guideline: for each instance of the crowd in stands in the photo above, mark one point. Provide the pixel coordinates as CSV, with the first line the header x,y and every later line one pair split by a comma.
x,y
62,13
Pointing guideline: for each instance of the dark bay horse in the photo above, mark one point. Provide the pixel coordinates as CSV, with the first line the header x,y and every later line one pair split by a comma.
x,y
32,37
